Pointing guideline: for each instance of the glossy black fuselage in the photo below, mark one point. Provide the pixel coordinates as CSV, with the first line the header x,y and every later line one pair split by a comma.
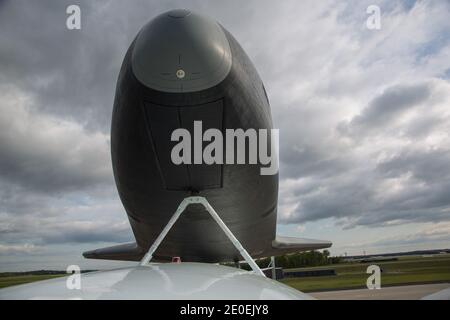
x,y
151,187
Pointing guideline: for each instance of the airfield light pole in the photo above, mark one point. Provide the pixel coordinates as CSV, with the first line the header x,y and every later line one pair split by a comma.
x,y
274,271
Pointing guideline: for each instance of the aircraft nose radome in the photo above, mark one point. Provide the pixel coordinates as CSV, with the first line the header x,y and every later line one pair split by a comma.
x,y
178,13
181,51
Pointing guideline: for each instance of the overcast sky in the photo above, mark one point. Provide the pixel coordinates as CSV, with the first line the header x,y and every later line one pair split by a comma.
x,y
364,119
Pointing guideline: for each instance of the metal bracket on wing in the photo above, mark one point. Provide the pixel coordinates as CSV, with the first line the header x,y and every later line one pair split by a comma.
x,y
200,200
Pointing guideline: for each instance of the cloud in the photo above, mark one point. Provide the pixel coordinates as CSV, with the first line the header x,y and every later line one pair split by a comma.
x,y
62,229
427,166
55,177
376,101
46,154
87,232
439,232
389,106
428,234
379,169
20,249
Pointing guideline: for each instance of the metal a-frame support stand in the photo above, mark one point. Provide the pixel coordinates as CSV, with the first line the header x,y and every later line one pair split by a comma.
x,y
200,200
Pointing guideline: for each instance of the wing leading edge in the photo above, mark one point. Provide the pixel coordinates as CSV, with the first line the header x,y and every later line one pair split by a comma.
x,y
125,252
281,245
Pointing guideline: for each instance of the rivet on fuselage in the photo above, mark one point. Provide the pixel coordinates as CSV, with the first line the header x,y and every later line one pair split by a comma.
x,y
180,74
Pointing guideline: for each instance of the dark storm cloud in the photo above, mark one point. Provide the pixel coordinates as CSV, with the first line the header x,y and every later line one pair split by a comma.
x,y
386,176
388,107
425,165
362,200
72,73
99,232
433,233
13,201
344,195
424,125
46,154
51,230
308,160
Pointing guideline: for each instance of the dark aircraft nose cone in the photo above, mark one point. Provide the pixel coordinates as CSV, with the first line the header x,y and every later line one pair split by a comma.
x,y
181,51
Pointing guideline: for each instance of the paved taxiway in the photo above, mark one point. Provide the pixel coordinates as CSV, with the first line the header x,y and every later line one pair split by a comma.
x,y
411,292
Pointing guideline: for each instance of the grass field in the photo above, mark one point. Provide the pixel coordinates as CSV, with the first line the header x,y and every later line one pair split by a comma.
x,y
407,270
15,280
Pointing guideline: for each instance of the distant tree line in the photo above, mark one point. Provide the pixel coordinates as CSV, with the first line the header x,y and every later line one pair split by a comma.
x,y
298,260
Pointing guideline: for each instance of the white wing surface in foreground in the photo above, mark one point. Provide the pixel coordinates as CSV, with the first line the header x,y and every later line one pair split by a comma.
x,y
183,281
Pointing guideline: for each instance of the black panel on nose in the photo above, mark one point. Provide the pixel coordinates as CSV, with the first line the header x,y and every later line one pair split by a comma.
x,y
162,121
